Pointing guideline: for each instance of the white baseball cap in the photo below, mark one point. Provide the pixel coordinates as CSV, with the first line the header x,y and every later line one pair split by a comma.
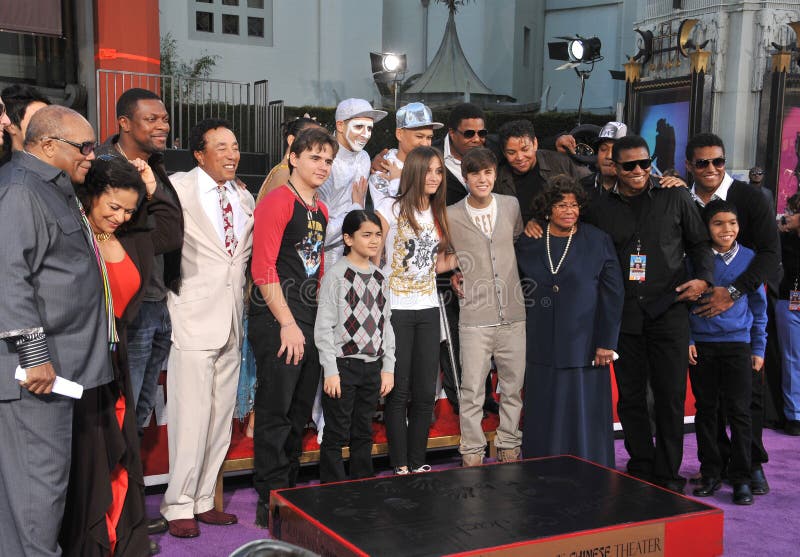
x,y
358,108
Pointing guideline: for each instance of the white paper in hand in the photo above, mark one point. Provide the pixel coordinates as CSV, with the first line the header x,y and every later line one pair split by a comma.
x,y
62,386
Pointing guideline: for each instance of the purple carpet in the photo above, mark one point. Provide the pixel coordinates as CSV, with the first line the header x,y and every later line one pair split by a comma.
x,y
769,527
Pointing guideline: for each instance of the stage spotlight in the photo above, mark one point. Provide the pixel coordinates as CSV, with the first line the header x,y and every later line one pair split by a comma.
x,y
576,49
387,62
391,63
388,70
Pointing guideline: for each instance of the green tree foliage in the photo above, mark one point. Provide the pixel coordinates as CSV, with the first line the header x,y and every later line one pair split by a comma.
x,y
172,64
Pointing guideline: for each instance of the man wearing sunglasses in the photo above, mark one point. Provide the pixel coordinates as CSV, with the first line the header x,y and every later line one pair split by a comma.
x,y
654,226
53,322
756,176
705,159
466,130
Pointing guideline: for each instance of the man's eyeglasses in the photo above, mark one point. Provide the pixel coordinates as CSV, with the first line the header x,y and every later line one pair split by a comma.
x,y
719,162
757,173
86,148
469,134
628,166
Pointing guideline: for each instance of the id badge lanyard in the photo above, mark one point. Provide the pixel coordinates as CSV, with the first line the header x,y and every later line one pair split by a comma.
x,y
638,262
794,296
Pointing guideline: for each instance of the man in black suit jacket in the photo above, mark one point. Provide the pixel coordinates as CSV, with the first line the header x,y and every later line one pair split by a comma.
x,y
466,129
705,159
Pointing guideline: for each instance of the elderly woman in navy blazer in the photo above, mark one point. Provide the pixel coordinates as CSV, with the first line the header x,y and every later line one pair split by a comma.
x,y
574,297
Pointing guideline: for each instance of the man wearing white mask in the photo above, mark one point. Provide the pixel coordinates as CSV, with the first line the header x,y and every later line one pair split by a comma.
x,y
345,189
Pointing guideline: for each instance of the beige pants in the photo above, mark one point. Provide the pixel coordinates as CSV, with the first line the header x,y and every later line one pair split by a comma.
x,y
201,394
478,344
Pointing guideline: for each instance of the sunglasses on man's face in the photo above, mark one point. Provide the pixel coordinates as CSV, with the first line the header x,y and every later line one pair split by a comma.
x,y
469,134
757,173
86,148
719,162
628,166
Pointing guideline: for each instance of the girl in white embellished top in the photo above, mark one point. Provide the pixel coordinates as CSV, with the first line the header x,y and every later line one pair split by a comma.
x,y
417,247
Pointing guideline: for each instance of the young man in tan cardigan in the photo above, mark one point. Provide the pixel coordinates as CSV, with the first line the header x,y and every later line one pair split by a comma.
x,y
483,227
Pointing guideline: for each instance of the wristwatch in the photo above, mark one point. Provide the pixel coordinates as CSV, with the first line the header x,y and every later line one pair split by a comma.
x,y
735,294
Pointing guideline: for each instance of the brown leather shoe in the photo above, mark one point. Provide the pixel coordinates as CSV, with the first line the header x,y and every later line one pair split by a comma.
x,y
509,455
217,518
184,528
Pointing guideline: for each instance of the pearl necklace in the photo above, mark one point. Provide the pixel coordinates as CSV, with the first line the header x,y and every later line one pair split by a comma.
x,y
563,255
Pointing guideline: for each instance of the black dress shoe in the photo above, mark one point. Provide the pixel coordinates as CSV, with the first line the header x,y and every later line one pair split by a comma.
x,y
758,482
673,485
157,525
262,515
707,487
742,494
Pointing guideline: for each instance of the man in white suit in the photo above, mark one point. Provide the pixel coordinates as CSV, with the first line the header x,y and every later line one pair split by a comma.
x,y
203,368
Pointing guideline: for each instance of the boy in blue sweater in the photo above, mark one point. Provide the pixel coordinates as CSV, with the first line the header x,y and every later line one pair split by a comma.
x,y
722,352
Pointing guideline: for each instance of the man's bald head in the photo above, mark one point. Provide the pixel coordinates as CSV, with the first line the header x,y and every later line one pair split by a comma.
x,y
57,135
51,121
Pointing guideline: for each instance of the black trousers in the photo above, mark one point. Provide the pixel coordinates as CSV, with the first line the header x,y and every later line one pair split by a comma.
x,y
766,401
283,400
723,373
416,334
658,354
348,420
758,453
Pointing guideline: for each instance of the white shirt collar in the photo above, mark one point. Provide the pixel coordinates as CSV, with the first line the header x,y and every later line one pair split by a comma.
x,y
207,184
451,163
728,256
447,153
720,193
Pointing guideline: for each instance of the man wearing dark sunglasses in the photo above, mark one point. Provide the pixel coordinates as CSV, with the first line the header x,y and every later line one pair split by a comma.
x,y
705,159
756,176
654,225
466,129
53,321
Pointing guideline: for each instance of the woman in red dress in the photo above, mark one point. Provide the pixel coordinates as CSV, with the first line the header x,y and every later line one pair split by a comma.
x,y
133,219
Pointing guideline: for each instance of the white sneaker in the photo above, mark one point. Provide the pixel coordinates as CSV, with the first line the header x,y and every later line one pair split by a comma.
x,y
423,468
401,470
